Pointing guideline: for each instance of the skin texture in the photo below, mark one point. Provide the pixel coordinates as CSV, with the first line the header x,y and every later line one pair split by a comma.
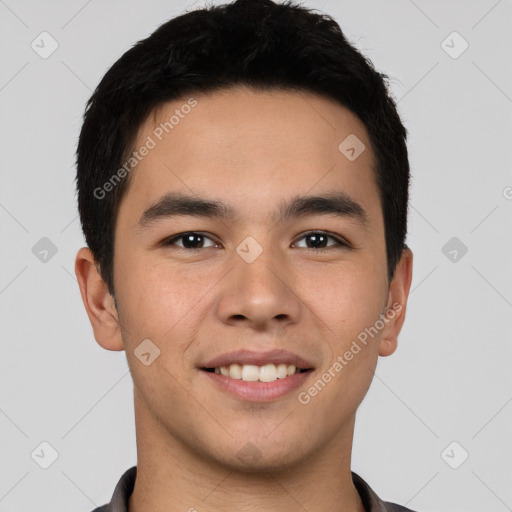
x,y
251,150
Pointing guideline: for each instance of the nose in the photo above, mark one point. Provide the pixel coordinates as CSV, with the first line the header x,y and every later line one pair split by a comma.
x,y
259,294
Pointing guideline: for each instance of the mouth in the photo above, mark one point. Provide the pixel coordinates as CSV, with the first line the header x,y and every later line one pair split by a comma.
x,y
257,376
254,373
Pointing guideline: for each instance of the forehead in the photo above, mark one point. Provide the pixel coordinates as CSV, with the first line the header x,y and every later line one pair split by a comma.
x,y
252,148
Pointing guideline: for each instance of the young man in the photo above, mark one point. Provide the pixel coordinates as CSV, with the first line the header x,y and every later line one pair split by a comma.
x,y
243,186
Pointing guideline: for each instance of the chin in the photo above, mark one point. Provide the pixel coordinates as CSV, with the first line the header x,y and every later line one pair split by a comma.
x,y
262,457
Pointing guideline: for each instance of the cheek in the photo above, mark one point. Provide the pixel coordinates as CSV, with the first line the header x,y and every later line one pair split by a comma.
x,y
347,300
348,306
157,300
157,303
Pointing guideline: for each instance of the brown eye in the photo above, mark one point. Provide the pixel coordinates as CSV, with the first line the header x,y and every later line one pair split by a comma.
x,y
190,240
319,240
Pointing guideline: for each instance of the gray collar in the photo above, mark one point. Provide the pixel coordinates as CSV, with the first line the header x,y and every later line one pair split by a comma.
x,y
124,489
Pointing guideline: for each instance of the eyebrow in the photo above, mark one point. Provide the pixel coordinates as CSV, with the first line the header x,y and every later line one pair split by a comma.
x,y
179,204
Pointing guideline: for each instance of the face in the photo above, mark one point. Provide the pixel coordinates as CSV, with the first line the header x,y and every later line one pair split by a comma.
x,y
265,268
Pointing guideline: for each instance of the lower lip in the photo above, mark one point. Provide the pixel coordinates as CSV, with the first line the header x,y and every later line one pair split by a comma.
x,y
259,391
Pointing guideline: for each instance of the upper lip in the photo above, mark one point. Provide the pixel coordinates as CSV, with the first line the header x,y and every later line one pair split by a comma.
x,y
258,358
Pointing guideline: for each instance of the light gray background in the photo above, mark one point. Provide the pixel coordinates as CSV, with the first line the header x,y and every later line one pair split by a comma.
x,y
450,379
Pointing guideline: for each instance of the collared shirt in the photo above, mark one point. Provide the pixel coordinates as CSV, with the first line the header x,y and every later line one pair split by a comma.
x,y
124,488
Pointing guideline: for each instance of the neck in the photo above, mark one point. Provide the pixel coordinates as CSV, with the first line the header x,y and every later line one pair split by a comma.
x,y
172,476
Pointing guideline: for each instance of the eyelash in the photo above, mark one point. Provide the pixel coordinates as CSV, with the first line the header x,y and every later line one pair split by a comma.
x,y
339,241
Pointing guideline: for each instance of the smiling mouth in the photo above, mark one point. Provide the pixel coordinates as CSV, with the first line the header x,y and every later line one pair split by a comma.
x,y
253,373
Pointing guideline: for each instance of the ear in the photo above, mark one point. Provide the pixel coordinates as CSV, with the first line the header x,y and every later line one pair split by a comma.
x,y
98,302
397,303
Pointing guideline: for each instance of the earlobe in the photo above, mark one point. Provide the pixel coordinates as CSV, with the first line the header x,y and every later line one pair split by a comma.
x,y
397,304
98,302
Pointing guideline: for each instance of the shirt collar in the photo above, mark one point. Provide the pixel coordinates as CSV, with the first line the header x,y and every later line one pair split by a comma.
x,y
124,489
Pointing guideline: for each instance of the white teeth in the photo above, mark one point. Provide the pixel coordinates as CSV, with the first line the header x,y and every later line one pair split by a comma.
x,y
253,373
282,371
268,373
250,372
235,371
